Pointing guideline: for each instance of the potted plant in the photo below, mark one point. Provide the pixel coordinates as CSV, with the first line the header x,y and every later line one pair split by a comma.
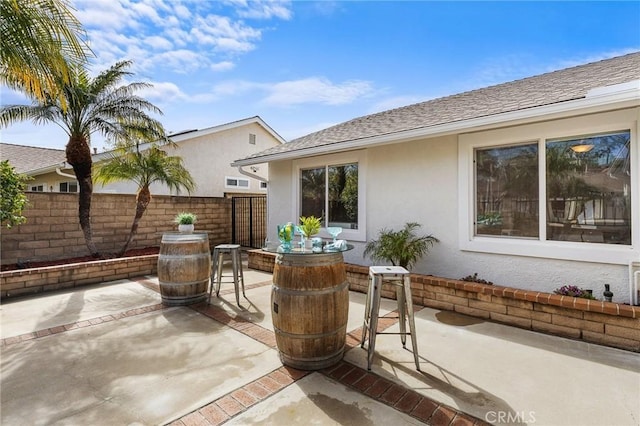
x,y
401,248
185,221
309,226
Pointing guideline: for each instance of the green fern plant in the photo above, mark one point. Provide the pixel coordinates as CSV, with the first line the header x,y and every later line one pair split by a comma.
x,y
400,248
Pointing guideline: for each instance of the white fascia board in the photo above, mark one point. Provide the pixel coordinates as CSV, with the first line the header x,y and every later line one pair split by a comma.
x,y
227,126
628,97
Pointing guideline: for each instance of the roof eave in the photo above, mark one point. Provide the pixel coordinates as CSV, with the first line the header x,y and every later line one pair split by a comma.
x,y
626,98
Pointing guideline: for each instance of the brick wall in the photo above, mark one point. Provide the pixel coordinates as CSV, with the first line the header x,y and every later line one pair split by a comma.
x,y
605,323
37,280
52,230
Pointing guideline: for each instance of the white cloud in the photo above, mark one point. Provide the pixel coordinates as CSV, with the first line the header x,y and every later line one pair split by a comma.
x,y
158,43
316,90
164,92
222,66
259,9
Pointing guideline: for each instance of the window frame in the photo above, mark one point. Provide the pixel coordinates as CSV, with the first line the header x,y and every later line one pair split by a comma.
x,y
68,183
351,157
237,179
541,247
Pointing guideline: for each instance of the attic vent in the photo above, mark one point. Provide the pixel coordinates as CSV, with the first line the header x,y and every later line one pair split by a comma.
x,y
614,88
252,139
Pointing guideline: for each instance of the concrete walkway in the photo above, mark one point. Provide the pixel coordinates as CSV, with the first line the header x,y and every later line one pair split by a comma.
x,y
113,355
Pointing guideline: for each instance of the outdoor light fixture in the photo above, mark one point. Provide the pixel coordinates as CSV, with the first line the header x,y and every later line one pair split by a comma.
x,y
582,148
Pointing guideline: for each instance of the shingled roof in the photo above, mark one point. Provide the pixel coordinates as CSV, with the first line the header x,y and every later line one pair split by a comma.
x,y
545,89
28,158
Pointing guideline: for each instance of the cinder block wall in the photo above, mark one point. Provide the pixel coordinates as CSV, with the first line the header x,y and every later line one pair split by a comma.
x,y
52,230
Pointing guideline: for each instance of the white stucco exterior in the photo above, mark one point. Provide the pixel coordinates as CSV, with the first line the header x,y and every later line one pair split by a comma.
x,y
429,180
207,155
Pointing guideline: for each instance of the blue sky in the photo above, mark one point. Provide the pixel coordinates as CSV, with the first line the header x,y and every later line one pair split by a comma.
x,y
303,66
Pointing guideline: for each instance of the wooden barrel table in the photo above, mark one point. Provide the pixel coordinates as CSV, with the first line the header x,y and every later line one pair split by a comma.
x,y
310,308
184,268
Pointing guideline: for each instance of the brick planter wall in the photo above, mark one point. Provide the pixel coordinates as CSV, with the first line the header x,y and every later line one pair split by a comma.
x,y
594,321
30,281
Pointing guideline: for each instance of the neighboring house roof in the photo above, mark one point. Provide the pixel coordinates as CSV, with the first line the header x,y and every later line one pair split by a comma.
x,y
35,161
188,134
543,90
26,158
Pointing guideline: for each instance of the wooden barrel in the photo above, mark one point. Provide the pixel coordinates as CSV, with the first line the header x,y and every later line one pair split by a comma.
x,y
310,308
184,268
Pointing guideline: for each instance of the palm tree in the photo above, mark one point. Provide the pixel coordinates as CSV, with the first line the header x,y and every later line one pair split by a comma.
x,y
144,167
401,248
39,41
97,104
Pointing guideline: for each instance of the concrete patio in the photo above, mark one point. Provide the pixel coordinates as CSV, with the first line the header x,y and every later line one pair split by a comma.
x,y
111,354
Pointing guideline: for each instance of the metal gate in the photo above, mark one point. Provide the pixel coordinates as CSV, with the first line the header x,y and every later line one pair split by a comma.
x,y
249,220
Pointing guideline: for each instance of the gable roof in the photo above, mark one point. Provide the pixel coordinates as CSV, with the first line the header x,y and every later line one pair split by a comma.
x,y
33,160
550,89
188,134
26,158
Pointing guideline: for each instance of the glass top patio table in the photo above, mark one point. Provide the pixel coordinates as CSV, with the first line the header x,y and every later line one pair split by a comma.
x,y
277,248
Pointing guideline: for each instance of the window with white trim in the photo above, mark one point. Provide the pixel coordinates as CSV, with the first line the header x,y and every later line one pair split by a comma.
x,y
263,185
68,186
236,182
37,188
588,189
562,194
332,189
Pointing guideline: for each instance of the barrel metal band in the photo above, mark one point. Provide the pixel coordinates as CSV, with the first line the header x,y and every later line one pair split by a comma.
x,y
311,292
341,330
185,256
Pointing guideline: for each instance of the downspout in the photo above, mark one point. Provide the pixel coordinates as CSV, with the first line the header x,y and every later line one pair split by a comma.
x,y
251,175
61,173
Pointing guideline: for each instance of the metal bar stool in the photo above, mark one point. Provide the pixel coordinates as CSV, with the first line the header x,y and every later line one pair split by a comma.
x,y
399,277
219,252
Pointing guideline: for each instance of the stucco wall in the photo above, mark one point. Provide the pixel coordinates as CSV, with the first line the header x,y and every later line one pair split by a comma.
x,y
208,159
52,230
418,181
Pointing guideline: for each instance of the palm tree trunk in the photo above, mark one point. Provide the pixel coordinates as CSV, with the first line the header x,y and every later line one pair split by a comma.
x,y
79,156
142,202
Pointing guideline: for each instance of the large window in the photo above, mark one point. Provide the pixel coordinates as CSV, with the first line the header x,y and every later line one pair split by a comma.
x,y
507,191
331,193
584,182
589,189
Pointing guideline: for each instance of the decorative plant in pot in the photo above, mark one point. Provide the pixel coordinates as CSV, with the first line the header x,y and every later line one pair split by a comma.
x,y
400,248
309,226
185,221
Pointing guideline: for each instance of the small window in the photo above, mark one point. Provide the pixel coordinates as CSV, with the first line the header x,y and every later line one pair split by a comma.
x,y
234,182
37,188
331,192
68,186
263,185
252,139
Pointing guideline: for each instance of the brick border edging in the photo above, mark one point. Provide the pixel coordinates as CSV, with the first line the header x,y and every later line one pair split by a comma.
x,y
37,280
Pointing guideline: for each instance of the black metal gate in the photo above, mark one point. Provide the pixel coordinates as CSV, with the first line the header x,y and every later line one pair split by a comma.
x,y
249,220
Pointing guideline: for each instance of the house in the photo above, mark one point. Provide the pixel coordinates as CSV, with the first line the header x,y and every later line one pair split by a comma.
x,y
26,159
532,184
206,153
